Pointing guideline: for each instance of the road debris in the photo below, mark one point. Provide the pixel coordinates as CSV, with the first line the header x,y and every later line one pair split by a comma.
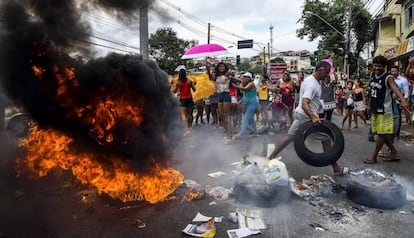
x,y
219,193
195,191
201,226
216,174
262,183
403,212
250,218
242,232
233,217
138,223
318,227
316,186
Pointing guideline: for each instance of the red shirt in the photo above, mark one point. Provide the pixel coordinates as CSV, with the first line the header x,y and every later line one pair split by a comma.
x,y
286,88
185,90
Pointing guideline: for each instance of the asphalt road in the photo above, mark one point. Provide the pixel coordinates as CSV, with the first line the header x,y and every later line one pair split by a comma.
x,y
53,207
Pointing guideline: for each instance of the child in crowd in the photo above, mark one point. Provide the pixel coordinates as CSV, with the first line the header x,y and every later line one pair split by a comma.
x,y
339,94
279,112
348,105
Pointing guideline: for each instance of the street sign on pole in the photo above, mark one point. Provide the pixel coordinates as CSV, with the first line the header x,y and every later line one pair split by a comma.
x,y
244,44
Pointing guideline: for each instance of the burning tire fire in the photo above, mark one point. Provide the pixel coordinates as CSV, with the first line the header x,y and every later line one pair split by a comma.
x,y
108,120
373,189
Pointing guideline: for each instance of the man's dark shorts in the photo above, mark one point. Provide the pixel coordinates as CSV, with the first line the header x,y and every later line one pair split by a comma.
x,y
187,102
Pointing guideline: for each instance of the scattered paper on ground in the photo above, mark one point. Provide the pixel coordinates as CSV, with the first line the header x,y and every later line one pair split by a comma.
x,y
242,232
250,219
202,218
205,229
216,174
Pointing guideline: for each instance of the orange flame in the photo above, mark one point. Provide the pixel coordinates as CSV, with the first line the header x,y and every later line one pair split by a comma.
x,y
38,71
192,195
48,149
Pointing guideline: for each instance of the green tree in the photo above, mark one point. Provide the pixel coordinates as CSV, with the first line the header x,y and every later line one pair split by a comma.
x,y
256,69
166,48
244,65
334,12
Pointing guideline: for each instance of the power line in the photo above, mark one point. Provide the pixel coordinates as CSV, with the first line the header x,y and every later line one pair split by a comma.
x,y
117,43
202,22
191,29
105,46
108,22
189,15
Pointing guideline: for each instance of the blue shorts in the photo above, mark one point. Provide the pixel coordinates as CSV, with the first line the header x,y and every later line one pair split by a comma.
x,y
224,97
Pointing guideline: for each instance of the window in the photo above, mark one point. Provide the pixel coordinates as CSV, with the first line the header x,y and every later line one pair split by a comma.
x,y
409,14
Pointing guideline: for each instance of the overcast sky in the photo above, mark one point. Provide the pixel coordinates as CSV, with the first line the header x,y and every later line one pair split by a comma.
x,y
231,20
250,19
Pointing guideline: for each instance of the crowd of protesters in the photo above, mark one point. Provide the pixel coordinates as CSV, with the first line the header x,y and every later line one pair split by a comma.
x,y
242,107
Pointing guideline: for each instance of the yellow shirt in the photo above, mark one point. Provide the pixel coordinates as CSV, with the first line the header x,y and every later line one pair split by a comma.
x,y
263,93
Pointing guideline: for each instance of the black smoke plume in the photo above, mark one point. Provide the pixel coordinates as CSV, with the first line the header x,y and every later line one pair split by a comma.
x,y
44,34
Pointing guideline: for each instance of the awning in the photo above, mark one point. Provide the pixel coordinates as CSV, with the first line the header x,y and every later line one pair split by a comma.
x,y
402,50
402,47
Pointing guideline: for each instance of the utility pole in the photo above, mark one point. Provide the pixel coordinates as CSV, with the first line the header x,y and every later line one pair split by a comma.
x,y
271,40
208,33
143,31
264,59
348,8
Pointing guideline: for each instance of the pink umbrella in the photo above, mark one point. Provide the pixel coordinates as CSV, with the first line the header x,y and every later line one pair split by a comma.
x,y
329,60
205,50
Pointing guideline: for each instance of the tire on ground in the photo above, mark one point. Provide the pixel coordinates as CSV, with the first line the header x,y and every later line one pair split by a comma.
x,y
382,197
319,159
251,188
19,125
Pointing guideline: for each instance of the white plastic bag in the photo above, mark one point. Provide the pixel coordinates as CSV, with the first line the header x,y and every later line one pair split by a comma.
x,y
275,170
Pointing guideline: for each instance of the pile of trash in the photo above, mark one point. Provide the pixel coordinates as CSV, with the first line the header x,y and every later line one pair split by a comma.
x,y
316,186
249,223
262,183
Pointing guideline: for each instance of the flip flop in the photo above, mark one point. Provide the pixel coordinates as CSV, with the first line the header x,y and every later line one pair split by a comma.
x,y
381,154
237,137
367,161
391,158
226,140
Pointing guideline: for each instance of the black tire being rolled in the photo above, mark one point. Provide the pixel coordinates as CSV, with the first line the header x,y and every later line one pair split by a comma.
x,y
383,197
319,159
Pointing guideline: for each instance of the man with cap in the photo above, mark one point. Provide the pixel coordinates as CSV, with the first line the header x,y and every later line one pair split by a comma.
x,y
308,108
250,102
